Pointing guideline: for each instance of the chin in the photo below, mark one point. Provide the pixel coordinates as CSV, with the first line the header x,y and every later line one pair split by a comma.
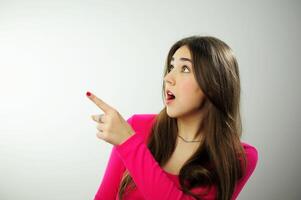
x,y
171,114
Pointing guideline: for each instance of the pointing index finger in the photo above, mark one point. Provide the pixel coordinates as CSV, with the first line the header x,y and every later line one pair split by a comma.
x,y
100,103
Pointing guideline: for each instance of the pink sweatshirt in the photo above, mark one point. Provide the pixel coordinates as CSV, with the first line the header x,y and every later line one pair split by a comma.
x,y
152,182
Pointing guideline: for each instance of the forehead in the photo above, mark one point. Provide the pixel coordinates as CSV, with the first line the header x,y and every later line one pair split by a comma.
x,y
183,51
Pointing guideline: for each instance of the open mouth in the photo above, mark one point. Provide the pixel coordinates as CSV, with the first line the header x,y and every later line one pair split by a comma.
x,y
170,95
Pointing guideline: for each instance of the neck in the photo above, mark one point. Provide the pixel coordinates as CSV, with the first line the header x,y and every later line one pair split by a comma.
x,y
188,126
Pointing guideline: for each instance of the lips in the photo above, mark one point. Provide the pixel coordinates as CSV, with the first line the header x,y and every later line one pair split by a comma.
x,y
169,95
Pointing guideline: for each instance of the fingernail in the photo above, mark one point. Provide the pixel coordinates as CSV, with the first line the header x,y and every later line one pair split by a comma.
x,y
88,94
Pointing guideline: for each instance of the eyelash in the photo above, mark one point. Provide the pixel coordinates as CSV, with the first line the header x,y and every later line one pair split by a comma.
x,y
168,70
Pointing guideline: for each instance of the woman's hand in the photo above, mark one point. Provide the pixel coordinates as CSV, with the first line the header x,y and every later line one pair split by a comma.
x,y
111,125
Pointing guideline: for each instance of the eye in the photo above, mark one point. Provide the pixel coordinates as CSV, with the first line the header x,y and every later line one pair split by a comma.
x,y
183,67
169,68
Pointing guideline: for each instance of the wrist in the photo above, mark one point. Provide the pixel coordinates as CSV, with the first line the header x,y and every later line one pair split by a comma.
x,y
127,135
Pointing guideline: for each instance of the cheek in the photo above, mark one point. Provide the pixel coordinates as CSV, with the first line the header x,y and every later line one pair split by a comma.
x,y
188,88
191,91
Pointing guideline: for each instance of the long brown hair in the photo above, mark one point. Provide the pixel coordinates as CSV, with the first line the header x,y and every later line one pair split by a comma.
x,y
218,160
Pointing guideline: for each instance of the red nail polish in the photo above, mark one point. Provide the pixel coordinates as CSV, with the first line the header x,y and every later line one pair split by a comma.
x,y
88,94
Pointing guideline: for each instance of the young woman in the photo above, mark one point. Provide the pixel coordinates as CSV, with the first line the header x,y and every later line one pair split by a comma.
x,y
191,149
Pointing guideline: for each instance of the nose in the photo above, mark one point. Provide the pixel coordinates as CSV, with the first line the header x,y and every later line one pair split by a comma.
x,y
169,79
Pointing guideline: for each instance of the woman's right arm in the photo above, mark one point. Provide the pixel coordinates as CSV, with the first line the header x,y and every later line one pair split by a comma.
x,y
110,182
113,174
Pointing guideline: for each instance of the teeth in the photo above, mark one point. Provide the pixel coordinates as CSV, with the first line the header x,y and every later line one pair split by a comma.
x,y
170,96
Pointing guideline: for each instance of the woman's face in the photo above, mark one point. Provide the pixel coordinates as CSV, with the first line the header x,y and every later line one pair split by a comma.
x,y
181,82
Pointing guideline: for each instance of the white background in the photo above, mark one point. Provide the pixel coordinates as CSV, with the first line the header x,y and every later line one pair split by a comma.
x,y
52,52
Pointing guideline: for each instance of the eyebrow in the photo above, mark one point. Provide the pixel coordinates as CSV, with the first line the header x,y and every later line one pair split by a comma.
x,y
183,59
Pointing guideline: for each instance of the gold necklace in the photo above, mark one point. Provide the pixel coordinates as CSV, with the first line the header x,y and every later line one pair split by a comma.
x,y
187,140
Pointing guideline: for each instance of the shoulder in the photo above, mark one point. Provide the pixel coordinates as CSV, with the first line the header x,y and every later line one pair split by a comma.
x,y
142,123
142,118
251,156
250,150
